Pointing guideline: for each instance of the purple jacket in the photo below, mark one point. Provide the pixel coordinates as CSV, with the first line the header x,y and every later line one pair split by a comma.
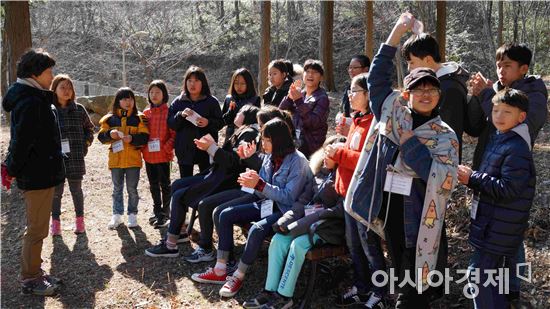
x,y
309,115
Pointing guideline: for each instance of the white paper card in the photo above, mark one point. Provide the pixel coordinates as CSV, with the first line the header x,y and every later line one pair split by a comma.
x,y
154,145
117,146
65,147
355,141
247,190
266,208
396,183
473,211
298,132
193,118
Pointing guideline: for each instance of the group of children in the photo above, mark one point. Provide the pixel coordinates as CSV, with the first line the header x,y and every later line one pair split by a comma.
x,y
387,175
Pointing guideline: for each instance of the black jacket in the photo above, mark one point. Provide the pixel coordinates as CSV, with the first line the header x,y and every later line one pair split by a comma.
x,y
34,154
274,96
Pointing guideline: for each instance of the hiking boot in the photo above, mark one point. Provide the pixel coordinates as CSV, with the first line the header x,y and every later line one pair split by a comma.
x,y
200,255
116,220
39,286
55,227
231,286
351,297
161,250
161,222
79,227
209,276
132,220
259,300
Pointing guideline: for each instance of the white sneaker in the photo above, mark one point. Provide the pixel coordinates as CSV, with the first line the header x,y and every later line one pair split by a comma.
x,y
132,220
116,220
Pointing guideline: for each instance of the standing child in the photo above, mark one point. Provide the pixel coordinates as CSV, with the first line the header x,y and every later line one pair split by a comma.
x,y
159,152
194,114
241,92
504,187
413,149
124,129
77,134
309,108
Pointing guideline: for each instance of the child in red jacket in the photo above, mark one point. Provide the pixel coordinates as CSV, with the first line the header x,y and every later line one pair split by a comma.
x,y
159,152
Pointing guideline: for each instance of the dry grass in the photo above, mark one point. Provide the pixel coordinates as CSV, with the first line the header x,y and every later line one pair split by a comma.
x,y
107,269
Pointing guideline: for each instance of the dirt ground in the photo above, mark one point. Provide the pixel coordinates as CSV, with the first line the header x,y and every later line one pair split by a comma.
x,y
108,269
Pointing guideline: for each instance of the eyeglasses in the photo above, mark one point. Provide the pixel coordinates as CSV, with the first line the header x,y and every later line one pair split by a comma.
x,y
354,91
432,92
354,68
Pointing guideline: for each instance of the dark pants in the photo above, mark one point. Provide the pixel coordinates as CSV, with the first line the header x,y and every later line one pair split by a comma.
x,y
259,231
210,208
488,296
186,170
403,258
178,207
159,182
366,254
75,186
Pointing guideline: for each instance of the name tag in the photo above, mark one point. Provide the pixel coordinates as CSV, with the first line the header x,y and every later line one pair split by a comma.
x,y
397,183
355,141
473,211
266,208
154,145
298,132
65,147
117,146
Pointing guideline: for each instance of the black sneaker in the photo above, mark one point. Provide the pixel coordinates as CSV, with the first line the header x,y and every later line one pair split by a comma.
x,y
184,237
153,219
161,222
259,300
376,301
352,297
200,255
278,301
231,267
161,250
39,286
53,280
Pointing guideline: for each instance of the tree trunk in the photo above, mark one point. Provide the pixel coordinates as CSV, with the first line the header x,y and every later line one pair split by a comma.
x,y
264,45
18,34
369,25
237,15
516,14
325,44
500,23
277,29
221,9
441,27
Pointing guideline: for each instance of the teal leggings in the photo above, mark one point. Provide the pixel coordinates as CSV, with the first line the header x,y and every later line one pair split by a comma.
x,y
293,251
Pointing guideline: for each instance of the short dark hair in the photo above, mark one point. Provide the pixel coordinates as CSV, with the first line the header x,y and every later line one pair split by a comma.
x,y
363,59
198,73
516,52
420,46
360,80
250,88
512,97
124,93
281,137
34,62
316,65
268,112
159,83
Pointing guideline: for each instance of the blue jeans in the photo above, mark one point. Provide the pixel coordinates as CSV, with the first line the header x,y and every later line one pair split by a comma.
x,y
260,230
489,296
178,209
366,255
132,179
290,253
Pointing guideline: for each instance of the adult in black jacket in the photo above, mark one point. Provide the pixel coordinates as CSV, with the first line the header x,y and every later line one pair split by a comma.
x,y
34,159
195,101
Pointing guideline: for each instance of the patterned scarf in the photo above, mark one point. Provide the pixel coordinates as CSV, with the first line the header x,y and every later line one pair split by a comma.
x,y
443,146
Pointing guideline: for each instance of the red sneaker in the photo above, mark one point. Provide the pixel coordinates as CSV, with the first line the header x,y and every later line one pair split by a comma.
x,y
55,228
79,225
209,276
231,287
